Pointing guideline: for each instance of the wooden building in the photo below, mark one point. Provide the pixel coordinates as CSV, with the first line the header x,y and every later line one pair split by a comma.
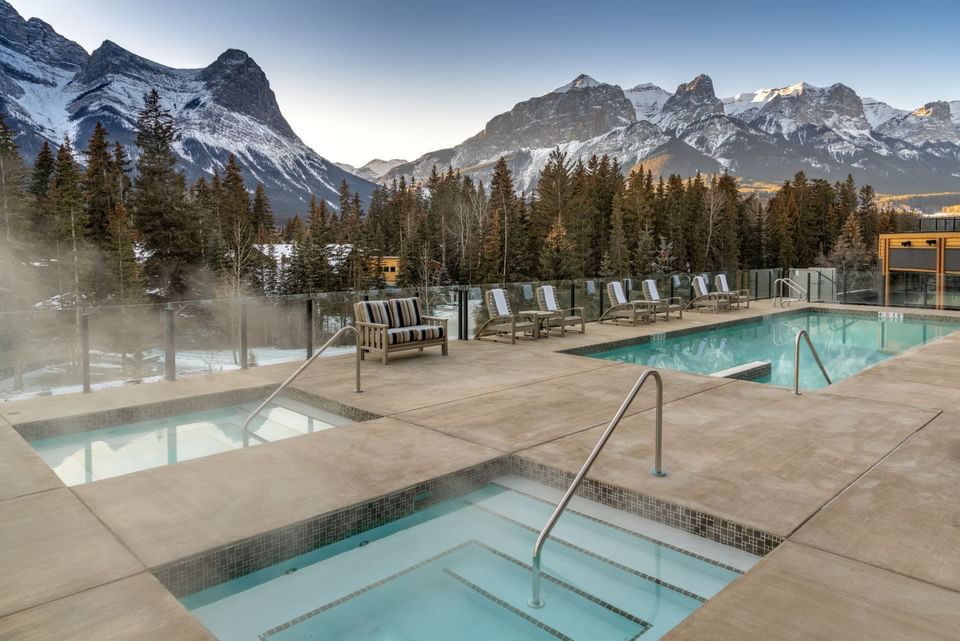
x,y
921,269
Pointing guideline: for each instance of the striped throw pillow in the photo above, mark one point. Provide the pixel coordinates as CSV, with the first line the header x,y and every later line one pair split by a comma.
x,y
405,312
374,311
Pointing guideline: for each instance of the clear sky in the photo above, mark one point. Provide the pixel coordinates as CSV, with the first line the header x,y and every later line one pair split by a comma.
x,y
359,79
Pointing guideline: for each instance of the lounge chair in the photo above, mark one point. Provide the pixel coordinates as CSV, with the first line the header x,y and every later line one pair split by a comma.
x,y
502,322
571,316
622,309
661,305
703,298
736,296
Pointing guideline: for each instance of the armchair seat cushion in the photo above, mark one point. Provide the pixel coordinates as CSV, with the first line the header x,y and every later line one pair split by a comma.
x,y
414,333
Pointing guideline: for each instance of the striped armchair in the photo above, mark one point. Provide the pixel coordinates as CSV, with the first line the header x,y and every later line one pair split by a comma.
x,y
388,326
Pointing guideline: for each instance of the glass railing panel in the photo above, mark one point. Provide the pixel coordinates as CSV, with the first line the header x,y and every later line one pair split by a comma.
x,y
39,353
126,344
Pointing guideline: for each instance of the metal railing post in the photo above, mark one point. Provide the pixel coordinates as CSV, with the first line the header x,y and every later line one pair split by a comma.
x,y
85,351
600,294
309,331
348,328
243,334
463,318
536,600
170,343
808,286
796,361
573,293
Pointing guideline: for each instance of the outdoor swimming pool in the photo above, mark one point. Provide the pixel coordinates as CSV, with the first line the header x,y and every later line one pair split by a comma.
x,y
847,344
460,570
82,457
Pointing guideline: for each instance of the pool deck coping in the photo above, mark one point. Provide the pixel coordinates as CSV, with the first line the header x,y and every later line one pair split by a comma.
x,y
463,379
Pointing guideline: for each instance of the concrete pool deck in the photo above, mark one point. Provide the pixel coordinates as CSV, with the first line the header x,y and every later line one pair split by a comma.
x,y
859,479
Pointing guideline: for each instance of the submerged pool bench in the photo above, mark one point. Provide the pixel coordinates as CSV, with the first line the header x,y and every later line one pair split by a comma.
x,y
388,326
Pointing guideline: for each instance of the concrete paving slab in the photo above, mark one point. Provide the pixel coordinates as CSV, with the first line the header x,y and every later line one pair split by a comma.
x,y
416,380
528,415
170,513
800,594
903,515
750,453
138,608
52,407
51,546
22,471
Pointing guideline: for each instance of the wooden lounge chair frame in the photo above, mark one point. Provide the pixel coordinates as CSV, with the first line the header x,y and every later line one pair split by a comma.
x,y
623,309
563,317
502,322
705,299
661,305
737,296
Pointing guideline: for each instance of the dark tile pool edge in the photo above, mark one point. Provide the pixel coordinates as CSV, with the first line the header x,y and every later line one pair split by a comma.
x,y
207,569
48,428
705,525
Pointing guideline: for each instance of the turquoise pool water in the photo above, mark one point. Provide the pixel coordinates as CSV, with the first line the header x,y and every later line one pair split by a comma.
x,y
460,571
847,344
82,457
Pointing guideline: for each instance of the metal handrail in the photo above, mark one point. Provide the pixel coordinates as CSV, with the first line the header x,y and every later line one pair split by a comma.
x,y
535,600
792,286
246,424
796,361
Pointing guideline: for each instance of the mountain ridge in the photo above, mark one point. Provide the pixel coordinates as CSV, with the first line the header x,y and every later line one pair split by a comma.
x,y
50,87
762,136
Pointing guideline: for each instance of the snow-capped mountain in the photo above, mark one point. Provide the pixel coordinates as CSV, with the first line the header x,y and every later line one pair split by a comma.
x,y
879,112
373,170
765,135
51,87
648,100
934,122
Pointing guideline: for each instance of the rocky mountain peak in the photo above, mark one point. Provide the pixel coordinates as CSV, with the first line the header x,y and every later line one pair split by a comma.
x,y
238,83
692,102
701,85
37,40
583,81
938,110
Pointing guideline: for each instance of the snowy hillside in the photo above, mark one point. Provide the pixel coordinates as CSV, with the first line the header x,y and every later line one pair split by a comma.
x,y
58,90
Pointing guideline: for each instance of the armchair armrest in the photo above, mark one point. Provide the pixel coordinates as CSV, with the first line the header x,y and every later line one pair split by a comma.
x,y
572,311
436,320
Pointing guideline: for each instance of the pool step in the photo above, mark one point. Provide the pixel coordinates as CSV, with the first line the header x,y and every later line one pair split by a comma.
x,y
569,613
682,572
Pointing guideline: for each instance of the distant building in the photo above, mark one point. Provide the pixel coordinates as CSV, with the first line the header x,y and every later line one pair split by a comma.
x,y
389,268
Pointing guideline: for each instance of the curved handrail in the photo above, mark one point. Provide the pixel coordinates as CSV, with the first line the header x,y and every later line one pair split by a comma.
x,y
343,330
778,284
535,600
796,361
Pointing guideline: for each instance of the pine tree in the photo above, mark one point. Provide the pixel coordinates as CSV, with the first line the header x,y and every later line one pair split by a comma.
x,y
12,176
100,193
166,230
618,255
66,200
502,224
263,215
557,260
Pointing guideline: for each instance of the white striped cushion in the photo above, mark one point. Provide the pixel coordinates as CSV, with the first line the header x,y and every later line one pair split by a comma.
x,y
618,292
500,300
549,298
722,281
652,287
